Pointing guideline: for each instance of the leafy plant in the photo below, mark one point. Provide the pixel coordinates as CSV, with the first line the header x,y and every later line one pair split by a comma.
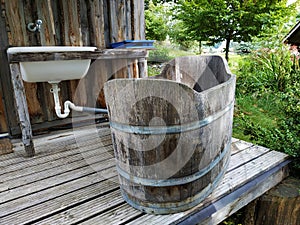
x,y
159,55
268,86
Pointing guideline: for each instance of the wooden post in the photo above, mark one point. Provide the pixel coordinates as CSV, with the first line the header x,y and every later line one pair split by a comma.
x,y
142,66
280,205
5,81
22,109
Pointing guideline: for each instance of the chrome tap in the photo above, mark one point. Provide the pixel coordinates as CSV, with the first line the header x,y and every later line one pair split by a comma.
x,y
35,27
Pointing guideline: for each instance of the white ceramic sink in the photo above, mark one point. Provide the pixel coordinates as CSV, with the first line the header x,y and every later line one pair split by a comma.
x,y
53,71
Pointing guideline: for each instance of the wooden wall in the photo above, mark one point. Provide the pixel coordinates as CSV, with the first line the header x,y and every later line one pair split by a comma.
x,y
71,23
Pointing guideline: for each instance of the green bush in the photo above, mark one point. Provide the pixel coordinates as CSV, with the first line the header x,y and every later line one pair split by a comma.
x,y
270,79
159,55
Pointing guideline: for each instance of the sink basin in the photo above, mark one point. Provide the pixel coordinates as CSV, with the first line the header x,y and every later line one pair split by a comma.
x,y
53,71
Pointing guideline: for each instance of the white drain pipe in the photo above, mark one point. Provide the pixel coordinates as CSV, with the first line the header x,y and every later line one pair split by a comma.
x,y
69,105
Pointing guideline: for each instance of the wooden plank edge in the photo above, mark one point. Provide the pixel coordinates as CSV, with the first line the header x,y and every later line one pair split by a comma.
x,y
104,54
233,198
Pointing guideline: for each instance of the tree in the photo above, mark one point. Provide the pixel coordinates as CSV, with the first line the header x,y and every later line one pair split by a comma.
x,y
156,22
156,2
230,20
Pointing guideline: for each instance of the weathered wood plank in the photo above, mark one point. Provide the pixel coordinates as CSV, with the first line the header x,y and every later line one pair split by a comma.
x,y
226,207
61,199
9,114
249,171
128,20
84,22
85,210
3,123
96,18
57,146
12,165
240,145
244,156
15,12
34,198
54,169
13,171
138,20
22,109
118,215
47,32
61,177
71,25
33,101
99,54
47,37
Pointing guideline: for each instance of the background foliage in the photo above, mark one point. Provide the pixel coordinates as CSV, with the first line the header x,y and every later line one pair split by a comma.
x,y
268,100
214,21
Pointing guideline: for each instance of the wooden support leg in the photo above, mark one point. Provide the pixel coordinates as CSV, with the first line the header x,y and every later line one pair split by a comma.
x,y
22,109
142,65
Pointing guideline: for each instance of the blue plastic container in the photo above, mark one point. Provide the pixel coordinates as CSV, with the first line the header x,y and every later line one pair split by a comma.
x,y
133,44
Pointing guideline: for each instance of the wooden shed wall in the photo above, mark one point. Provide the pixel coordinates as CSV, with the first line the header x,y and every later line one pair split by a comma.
x,y
71,23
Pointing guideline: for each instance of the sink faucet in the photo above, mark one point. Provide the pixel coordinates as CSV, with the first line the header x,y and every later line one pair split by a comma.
x,y
35,27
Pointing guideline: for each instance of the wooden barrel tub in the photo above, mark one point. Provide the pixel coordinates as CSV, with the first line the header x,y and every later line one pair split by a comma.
x,y
171,133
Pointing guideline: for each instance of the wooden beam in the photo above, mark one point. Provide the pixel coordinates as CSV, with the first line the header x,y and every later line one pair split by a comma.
x,y
5,81
22,109
142,67
100,54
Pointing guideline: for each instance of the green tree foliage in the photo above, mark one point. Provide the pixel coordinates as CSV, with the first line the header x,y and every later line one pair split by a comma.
x,y
230,20
156,2
156,22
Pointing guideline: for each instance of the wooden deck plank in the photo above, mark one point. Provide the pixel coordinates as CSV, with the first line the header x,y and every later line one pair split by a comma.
x,y
15,165
26,172
85,210
69,139
53,181
239,145
63,187
58,144
57,204
245,155
55,174
53,192
116,216
230,204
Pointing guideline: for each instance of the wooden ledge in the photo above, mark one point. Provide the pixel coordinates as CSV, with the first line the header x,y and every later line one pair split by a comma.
x,y
99,54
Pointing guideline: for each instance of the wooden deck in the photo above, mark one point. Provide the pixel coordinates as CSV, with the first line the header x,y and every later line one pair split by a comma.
x,y
73,180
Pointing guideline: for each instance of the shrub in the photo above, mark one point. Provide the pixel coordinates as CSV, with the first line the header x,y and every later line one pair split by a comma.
x,y
159,55
271,75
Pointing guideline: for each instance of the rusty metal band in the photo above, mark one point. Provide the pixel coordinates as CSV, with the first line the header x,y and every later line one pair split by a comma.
x,y
173,129
175,181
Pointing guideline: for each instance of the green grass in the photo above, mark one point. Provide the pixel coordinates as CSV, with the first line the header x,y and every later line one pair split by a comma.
x,y
265,111
175,52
